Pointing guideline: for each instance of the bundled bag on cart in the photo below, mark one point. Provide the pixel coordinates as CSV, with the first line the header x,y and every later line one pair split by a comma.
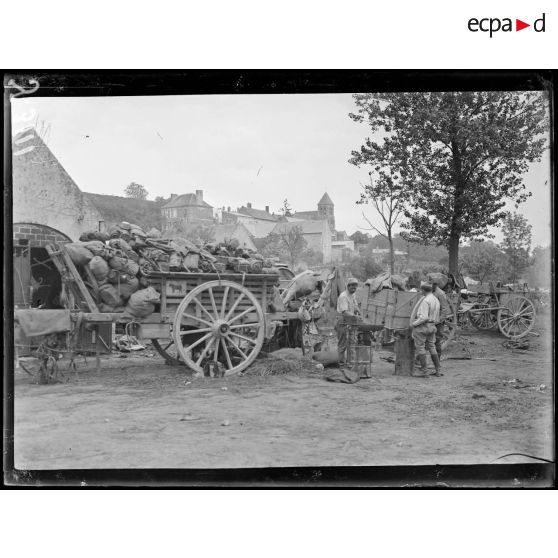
x,y
127,288
100,268
124,265
94,235
109,295
439,278
142,303
96,247
78,253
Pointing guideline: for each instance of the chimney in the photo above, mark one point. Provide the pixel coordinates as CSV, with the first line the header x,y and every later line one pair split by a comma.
x,y
249,205
173,196
229,209
267,208
199,197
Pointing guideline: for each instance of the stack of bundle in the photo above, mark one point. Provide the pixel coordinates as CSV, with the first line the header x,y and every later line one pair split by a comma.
x,y
122,261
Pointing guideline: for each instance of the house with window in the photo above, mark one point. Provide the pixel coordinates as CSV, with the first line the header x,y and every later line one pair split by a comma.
x,y
186,209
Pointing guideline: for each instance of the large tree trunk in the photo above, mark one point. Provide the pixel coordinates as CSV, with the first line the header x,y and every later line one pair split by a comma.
x,y
391,254
453,250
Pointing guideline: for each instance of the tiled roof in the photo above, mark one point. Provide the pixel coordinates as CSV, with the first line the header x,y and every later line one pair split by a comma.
x,y
258,213
308,227
326,200
307,215
185,200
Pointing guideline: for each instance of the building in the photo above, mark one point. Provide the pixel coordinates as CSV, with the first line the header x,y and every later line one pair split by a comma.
x,y
48,207
317,234
186,209
237,231
342,250
45,197
326,211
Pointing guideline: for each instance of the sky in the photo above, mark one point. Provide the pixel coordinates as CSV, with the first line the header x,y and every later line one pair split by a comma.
x,y
261,149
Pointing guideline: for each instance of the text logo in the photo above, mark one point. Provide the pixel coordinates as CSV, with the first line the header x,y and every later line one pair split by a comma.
x,y
493,25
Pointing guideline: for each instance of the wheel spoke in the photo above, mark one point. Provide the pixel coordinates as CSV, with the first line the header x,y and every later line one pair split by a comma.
x,y
247,311
205,350
234,307
216,351
212,318
190,331
227,356
237,348
214,306
243,337
224,305
196,343
240,326
197,318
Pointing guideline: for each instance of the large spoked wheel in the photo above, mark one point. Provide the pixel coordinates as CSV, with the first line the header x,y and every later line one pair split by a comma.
x,y
517,319
482,315
218,328
167,349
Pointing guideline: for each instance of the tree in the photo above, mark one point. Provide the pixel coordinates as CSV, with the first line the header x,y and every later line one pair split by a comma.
x,y
482,261
159,200
287,243
286,210
137,191
387,195
516,244
459,156
359,237
540,270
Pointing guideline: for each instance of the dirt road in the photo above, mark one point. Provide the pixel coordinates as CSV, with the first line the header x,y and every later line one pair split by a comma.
x,y
139,413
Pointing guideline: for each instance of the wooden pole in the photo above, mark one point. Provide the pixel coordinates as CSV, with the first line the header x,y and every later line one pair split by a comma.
x,y
404,353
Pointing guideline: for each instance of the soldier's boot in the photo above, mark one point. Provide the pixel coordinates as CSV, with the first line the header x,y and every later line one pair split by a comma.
x,y
437,366
422,372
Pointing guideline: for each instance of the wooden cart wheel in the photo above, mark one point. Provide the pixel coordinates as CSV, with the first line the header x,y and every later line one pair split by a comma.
x,y
228,331
517,319
167,349
482,316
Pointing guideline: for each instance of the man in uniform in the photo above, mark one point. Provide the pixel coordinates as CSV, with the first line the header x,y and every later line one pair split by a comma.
x,y
347,305
445,313
424,317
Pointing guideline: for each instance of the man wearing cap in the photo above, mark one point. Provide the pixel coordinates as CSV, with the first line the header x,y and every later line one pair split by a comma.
x,y
424,317
445,312
347,305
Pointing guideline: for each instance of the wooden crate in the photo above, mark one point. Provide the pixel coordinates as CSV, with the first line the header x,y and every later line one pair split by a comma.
x,y
389,308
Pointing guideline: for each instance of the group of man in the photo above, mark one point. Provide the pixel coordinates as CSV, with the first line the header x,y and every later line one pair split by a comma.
x,y
427,322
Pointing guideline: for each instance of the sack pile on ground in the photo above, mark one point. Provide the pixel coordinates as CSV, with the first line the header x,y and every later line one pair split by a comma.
x,y
121,260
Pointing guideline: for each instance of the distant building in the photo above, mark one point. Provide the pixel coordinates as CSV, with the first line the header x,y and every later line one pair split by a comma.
x,y
237,231
317,235
186,209
326,211
342,250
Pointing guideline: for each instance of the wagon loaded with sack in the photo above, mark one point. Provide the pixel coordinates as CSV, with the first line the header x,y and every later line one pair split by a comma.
x,y
384,302
210,309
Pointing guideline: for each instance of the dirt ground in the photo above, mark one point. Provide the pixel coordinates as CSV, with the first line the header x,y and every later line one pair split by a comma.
x,y
137,412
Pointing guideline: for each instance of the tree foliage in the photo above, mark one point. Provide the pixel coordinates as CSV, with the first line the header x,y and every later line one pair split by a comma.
x,y
483,261
516,244
137,191
540,270
359,237
287,244
457,156
286,210
387,195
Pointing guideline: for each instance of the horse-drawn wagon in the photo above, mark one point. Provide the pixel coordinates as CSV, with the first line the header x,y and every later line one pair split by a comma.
x,y
495,306
213,323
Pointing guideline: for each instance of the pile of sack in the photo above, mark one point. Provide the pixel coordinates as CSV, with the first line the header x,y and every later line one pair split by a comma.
x,y
121,261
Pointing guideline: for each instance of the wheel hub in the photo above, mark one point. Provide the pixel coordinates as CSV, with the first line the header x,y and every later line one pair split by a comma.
x,y
221,328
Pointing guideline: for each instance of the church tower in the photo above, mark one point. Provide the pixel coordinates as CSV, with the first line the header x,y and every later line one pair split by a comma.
x,y
326,210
